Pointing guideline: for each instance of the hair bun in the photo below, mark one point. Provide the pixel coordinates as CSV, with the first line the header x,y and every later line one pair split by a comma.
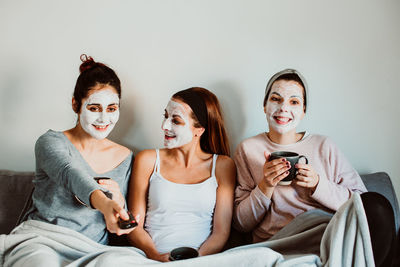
x,y
87,63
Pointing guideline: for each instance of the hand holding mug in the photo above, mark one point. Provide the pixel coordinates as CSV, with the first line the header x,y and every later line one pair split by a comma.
x,y
183,253
306,176
291,157
274,171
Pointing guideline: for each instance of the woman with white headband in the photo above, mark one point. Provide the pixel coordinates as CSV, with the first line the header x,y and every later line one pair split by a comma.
x,y
264,205
185,191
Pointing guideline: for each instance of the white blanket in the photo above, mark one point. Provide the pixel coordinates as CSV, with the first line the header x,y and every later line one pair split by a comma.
x,y
311,239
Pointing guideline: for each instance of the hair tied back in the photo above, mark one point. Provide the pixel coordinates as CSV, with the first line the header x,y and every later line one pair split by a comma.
x,y
87,63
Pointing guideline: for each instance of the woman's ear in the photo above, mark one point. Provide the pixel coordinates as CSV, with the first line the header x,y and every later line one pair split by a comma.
x,y
74,105
198,131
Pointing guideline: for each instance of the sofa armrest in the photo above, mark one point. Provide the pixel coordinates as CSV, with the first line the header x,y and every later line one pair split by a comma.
x,y
15,192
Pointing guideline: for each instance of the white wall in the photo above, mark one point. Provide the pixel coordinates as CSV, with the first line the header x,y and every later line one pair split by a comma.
x,y
349,51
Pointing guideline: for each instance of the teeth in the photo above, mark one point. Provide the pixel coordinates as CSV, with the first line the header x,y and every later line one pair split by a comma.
x,y
169,135
100,126
282,119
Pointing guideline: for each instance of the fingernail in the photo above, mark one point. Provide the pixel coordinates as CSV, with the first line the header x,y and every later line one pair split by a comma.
x,y
283,159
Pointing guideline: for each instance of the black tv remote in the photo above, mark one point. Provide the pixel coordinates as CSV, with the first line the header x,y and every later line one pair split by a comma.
x,y
127,224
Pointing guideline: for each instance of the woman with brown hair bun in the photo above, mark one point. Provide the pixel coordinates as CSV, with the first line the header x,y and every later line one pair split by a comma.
x,y
185,191
81,178
67,162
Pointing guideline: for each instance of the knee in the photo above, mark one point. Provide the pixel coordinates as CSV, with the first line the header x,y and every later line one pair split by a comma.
x,y
377,207
381,224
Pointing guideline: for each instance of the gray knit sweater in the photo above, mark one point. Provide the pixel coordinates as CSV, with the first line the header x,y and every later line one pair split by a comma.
x,y
62,176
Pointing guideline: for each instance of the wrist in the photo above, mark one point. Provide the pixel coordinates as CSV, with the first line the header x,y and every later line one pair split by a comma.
x,y
265,189
97,197
315,186
154,255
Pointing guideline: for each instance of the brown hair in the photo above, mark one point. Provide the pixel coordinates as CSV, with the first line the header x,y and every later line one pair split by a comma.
x,y
214,139
92,74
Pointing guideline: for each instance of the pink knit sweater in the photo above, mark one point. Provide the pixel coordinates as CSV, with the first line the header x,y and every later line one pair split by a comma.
x,y
264,216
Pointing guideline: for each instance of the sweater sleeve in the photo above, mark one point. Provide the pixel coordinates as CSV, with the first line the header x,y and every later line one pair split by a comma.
x,y
54,158
342,181
251,205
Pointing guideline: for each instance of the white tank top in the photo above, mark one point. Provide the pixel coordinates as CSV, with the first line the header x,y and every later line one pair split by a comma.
x,y
179,215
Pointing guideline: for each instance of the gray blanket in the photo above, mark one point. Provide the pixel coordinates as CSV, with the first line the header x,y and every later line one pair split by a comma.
x,y
314,238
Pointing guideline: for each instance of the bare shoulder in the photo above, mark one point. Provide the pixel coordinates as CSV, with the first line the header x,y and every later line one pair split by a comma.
x,y
225,169
143,167
146,159
224,162
146,155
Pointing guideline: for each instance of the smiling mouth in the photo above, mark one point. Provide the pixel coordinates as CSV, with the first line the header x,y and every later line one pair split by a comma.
x,y
169,136
100,128
282,120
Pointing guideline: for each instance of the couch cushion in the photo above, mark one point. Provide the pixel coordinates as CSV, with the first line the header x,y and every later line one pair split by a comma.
x,y
14,193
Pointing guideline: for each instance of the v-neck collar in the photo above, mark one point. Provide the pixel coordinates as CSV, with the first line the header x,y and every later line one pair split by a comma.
x,y
76,151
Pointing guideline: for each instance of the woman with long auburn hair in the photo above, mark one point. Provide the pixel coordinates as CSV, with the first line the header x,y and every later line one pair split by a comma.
x,y
214,139
185,191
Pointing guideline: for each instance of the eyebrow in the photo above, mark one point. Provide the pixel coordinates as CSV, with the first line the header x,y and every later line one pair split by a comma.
x,y
276,94
96,104
290,96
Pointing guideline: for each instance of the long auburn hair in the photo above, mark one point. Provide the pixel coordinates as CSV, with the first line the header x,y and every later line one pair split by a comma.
x,y
214,140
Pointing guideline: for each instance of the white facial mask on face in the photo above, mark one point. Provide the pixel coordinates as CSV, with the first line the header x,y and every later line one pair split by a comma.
x,y
176,135
284,117
99,123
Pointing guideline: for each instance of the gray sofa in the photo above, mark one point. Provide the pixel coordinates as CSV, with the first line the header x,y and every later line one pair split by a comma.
x,y
16,188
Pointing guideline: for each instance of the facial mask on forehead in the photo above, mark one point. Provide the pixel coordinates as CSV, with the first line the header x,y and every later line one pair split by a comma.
x,y
284,117
176,135
99,124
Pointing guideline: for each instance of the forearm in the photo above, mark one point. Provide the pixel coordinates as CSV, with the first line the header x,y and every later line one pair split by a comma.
x,y
214,243
98,200
330,194
251,210
266,189
142,240
66,172
80,184
55,160
338,180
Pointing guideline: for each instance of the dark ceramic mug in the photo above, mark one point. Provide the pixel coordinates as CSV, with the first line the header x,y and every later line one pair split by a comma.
x,y
183,253
293,158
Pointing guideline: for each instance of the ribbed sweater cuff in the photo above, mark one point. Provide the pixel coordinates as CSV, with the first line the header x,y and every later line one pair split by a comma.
x,y
261,198
320,192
